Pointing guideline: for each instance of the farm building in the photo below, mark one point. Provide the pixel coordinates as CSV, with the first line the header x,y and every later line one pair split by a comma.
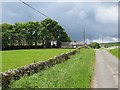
x,y
71,44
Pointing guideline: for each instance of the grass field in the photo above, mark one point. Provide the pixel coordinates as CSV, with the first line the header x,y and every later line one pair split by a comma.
x,y
74,73
16,58
111,44
115,52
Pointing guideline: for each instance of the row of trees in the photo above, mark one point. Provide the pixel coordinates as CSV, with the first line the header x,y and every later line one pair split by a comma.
x,y
33,33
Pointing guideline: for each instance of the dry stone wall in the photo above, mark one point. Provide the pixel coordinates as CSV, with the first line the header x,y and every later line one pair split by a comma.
x,y
10,75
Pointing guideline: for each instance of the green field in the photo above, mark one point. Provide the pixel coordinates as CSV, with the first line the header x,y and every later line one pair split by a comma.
x,y
74,73
115,52
111,44
15,58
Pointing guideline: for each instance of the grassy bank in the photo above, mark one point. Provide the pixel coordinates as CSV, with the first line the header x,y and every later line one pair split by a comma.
x,y
115,52
74,73
16,58
0,61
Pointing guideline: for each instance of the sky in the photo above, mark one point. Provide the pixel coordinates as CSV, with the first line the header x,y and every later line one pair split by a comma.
x,y
98,19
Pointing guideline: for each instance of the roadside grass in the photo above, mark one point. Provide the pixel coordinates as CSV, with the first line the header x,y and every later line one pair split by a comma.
x,y
0,61
74,73
115,52
15,58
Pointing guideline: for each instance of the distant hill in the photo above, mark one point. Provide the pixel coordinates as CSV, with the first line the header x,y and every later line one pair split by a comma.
x,y
111,44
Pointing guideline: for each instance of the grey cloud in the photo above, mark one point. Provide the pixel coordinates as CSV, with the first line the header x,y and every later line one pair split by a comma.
x,y
76,16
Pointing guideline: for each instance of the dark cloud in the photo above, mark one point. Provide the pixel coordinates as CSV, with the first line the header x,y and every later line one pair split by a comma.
x,y
98,19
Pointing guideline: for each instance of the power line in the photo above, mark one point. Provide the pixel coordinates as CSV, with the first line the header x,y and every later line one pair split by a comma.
x,y
34,8
41,13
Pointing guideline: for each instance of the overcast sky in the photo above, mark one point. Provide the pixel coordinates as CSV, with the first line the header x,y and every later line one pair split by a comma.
x,y
98,19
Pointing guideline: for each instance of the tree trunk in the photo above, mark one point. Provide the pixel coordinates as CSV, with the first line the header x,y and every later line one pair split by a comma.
x,y
47,44
36,44
43,44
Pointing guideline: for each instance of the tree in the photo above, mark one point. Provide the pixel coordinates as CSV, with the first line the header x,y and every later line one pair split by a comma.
x,y
33,33
52,31
37,33
94,45
61,35
47,32
17,31
6,28
29,33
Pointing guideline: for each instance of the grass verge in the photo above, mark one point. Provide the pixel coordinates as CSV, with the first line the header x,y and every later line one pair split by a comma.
x,y
74,73
115,52
15,58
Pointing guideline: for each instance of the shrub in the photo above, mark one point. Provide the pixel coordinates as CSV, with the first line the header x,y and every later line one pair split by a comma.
x,y
94,45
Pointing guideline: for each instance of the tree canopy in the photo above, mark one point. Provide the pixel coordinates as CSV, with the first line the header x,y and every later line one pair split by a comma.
x,y
33,33
94,45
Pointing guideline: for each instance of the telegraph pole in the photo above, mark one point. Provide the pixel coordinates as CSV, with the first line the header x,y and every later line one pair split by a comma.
x,y
84,36
102,39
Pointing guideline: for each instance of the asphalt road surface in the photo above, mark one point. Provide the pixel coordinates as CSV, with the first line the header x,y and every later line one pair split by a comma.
x,y
106,70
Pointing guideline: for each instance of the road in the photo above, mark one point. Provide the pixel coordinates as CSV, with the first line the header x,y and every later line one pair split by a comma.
x,y
106,70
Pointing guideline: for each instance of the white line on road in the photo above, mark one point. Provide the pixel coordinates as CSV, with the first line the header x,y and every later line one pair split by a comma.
x,y
114,74
111,69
